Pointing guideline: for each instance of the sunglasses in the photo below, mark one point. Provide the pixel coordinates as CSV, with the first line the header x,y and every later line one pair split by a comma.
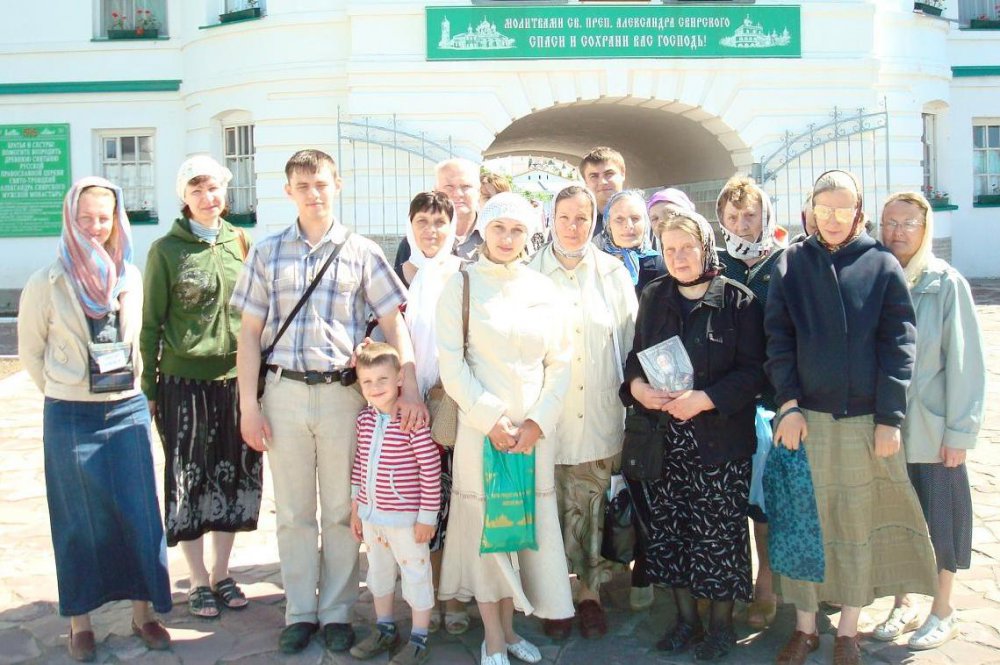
x,y
842,215
908,226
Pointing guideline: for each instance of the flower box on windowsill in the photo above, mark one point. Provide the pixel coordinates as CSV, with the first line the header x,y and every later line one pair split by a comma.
x,y
938,201
240,15
141,216
990,199
984,24
928,8
137,33
242,218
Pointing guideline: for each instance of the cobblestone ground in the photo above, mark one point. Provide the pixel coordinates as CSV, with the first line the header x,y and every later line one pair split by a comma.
x,y
31,631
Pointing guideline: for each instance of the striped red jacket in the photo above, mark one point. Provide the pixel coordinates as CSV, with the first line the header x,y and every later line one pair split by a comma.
x,y
396,477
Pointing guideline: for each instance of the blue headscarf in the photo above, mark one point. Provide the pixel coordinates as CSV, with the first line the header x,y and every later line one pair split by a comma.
x,y
630,256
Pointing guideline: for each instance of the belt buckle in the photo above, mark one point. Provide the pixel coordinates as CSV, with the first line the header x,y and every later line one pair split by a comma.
x,y
314,378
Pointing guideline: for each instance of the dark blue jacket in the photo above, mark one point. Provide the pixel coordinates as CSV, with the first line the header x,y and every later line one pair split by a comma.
x,y
841,333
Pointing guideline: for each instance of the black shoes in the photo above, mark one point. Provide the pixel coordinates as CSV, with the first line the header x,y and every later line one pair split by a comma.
x,y
338,636
682,637
295,637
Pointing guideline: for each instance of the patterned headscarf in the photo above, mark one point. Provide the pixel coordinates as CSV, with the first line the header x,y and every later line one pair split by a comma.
x,y
630,256
744,249
711,266
97,272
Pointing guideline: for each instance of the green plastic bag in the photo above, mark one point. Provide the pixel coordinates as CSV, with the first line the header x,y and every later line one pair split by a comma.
x,y
509,517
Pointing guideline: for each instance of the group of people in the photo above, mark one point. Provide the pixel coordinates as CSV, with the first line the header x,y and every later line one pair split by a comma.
x,y
867,351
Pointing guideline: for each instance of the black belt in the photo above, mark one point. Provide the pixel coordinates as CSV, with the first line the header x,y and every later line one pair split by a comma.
x,y
313,378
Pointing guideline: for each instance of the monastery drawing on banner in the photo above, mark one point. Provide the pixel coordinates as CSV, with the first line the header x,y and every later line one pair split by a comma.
x,y
751,35
485,37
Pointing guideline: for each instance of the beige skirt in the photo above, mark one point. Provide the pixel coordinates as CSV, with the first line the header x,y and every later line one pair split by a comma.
x,y
581,490
874,536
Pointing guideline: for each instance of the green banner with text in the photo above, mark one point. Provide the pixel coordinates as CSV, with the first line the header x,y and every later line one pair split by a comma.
x,y
34,178
657,31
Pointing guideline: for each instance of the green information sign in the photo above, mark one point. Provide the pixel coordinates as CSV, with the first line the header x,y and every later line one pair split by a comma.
x,y
654,31
34,178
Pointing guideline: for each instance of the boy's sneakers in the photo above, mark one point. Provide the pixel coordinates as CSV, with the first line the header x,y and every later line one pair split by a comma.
x,y
380,640
411,654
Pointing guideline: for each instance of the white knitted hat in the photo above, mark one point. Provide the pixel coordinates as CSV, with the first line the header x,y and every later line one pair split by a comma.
x,y
200,165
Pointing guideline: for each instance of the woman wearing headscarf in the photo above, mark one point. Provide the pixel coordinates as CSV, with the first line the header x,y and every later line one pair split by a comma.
x,y
840,346
698,541
78,337
432,232
588,436
944,411
212,478
509,386
746,219
626,235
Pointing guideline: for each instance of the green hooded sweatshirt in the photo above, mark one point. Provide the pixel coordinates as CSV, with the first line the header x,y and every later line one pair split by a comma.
x,y
188,328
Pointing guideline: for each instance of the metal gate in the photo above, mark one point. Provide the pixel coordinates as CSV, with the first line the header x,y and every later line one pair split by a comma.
x,y
853,141
383,167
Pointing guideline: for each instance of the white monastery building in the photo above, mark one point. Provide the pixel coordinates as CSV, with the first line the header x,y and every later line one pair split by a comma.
x,y
905,94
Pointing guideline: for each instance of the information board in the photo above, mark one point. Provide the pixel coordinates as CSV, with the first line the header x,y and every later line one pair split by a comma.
x,y
521,32
34,178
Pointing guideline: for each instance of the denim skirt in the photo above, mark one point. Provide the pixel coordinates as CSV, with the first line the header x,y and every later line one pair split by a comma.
x,y
105,520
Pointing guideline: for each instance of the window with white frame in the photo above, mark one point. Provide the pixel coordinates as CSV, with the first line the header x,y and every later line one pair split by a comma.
x,y
238,5
127,159
239,153
138,18
929,160
986,160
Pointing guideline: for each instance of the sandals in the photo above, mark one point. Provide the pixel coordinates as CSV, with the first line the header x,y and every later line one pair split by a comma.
x,y
201,603
456,623
717,644
682,637
761,612
230,595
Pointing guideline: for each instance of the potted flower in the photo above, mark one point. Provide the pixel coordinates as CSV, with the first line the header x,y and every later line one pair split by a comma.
x,y
250,11
984,22
143,214
146,24
119,27
929,7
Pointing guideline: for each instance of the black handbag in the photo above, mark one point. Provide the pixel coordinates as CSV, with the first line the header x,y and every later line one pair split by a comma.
x,y
619,538
265,355
642,450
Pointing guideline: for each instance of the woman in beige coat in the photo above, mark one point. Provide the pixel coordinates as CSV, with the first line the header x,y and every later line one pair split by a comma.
x,y
509,387
588,438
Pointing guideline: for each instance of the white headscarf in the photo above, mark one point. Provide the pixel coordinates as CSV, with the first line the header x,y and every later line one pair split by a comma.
x,y
578,189
421,305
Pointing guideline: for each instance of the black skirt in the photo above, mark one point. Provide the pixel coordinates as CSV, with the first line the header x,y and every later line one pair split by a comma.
x,y
212,478
698,537
946,500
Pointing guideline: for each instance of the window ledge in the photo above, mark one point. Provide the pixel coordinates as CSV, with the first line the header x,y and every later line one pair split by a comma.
x,y
986,205
130,40
936,207
149,221
983,24
231,22
244,219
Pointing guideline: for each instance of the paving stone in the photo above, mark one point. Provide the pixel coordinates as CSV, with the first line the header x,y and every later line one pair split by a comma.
x,y
17,646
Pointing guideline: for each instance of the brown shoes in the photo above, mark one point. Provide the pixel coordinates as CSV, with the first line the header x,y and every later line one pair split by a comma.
x,y
798,648
557,629
81,646
153,635
593,620
846,651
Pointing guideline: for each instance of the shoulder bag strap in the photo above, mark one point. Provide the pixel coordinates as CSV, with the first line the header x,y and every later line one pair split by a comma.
x,y
465,312
305,296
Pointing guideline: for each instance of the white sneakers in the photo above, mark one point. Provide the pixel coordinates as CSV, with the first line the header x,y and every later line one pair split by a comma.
x,y
640,597
523,650
902,619
935,632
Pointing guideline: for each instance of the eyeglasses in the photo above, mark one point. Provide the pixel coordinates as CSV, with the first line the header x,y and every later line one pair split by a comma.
x,y
843,215
908,226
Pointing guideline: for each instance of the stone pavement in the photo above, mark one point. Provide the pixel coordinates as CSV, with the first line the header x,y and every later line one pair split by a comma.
x,y
31,631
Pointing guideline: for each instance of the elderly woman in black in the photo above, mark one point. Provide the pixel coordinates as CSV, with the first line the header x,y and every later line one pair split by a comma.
x,y
698,542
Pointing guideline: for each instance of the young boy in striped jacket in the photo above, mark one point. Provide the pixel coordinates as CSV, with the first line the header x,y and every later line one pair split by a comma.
x,y
396,490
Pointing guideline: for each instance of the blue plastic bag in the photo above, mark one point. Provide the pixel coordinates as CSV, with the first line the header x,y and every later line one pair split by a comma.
x,y
765,441
794,538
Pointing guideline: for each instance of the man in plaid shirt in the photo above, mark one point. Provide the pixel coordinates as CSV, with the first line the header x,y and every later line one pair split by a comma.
x,y
305,421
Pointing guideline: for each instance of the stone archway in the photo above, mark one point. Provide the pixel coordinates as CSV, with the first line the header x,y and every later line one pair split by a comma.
x,y
664,143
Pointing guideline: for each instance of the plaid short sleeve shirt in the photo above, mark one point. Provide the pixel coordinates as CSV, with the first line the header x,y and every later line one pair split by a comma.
x,y
332,322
